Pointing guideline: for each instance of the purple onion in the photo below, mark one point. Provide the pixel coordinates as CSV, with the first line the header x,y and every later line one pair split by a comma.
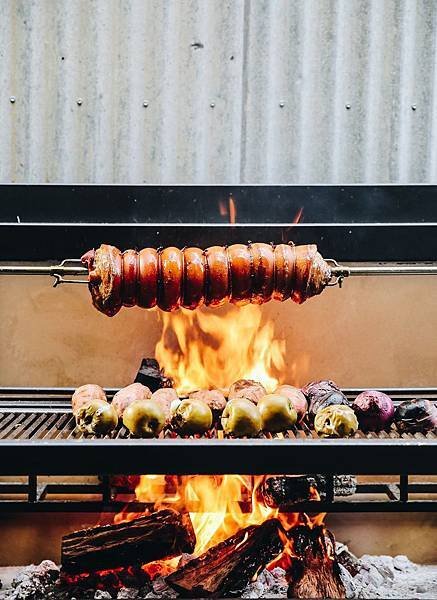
x,y
374,410
418,415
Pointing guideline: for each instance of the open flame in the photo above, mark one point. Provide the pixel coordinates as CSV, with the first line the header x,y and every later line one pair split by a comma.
x,y
203,349
219,506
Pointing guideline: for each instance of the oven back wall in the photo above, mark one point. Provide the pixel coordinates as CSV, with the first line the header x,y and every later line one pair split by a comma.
x,y
375,332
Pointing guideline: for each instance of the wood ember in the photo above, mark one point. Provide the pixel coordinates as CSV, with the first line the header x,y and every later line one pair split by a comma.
x,y
315,572
283,491
109,579
162,534
151,375
226,569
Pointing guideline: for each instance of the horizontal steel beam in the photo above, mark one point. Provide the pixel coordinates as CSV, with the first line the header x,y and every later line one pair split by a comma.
x,y
214,456
397,242
7,506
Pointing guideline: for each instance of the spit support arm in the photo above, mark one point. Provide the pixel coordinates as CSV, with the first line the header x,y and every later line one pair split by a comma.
x,y
73,267
69,267
340,272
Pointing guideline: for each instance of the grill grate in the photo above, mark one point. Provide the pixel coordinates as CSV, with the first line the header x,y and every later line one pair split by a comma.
x,y
38,437
61,426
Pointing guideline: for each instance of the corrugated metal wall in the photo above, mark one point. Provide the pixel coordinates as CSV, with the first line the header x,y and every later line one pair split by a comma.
x,y
207,91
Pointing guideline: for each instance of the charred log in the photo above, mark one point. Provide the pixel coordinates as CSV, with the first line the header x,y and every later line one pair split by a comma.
x,y
165,533
226,569
283,491
314,572
151,375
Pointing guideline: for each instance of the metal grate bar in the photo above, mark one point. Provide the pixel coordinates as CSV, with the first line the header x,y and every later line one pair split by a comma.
x,y
13,422
42,425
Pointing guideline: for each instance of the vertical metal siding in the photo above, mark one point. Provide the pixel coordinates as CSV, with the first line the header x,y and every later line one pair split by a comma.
x,y
257,91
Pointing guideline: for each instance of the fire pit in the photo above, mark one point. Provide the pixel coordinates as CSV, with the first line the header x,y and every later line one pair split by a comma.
x,y
194,528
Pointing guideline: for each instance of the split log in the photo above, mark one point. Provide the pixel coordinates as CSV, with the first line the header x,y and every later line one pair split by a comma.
x,y
226,569
283,491
162,534
150,375
314,572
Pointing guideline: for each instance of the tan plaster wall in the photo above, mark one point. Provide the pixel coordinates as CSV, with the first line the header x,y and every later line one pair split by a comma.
x,y
374,332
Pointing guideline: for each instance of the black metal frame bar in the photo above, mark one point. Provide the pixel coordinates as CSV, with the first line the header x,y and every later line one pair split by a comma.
x,y
206,456
98,203
343,242
349,223
36,498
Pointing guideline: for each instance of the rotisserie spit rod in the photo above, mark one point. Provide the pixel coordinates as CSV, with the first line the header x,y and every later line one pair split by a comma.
x,y
337,270
170,278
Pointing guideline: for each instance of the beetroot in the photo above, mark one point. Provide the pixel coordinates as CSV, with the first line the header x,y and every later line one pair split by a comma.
x,y
374,410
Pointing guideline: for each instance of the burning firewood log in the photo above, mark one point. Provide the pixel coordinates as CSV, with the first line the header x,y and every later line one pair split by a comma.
x,y
282,491
227,568
314,571
162,534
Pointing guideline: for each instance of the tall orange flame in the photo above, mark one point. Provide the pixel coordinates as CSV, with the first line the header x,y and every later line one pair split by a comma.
x,y
206,349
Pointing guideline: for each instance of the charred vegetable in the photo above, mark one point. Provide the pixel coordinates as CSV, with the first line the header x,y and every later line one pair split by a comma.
x,y
247,388
418,415
321,394
144,418
84,394
316,389
98,417
374,410
330,399
336,420
241,417
277,413
297,398
192,416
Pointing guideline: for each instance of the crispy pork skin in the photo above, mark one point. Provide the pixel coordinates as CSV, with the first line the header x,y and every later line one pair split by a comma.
x,y
171,278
